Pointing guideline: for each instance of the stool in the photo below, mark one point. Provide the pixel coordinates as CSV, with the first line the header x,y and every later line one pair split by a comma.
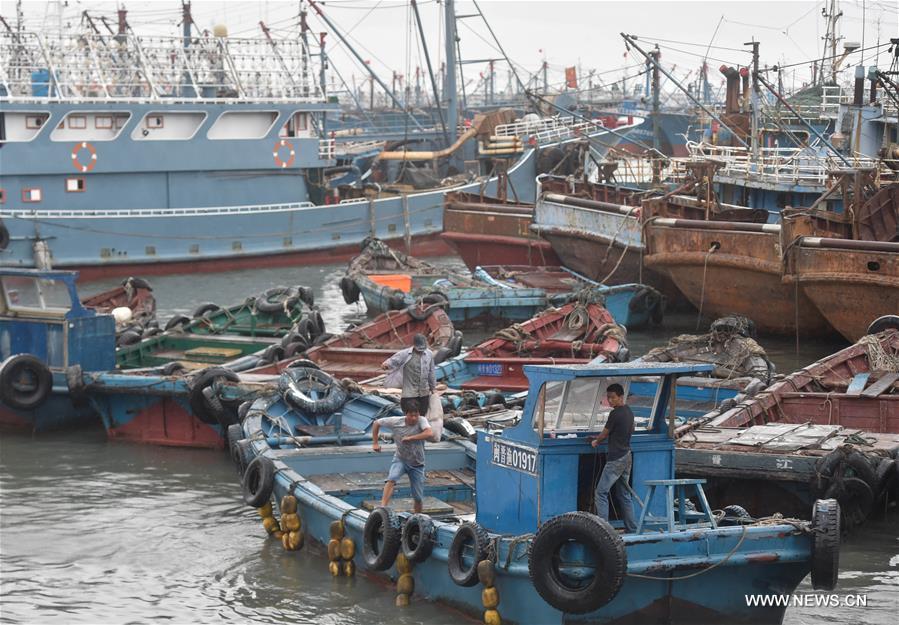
x,y
679,518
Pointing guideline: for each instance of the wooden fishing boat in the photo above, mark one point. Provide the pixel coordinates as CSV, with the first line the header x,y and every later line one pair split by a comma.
x,y
831,428
357,354
492,231
521,495
577,332
133,293
848,269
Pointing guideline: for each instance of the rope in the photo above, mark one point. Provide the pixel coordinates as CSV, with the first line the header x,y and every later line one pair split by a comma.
x,y
878,358
697,573
705,265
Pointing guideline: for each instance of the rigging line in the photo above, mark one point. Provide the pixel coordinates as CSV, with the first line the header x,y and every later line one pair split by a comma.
x,y
826,58
361,19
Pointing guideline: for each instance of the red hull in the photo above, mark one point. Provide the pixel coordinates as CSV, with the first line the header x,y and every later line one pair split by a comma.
x,y
484,249
429,245
167,423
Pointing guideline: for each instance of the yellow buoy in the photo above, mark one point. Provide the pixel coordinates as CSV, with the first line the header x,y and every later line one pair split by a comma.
x,y
333,550
490,598
486,573
265,511
270,524
403,565
290,522
288,504
300,539
285,541
334,567
405,585
402,601
347,548
278,534
491,617
337,529
349,568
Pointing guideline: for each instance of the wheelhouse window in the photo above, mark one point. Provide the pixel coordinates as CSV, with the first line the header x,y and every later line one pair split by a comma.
x,y
297,125
242,125
35,122
77,122
168,126
31,195
103,122
154,121
29,293
75,185
581,405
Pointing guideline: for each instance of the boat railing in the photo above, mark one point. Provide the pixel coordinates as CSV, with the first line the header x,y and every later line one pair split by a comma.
x,y
93,66
549,129
92,213
326,149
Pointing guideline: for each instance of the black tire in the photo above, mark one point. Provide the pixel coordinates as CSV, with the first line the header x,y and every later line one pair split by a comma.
x,y
297,348
137,283
202,309
243,409
303,363
178,321
886,473
258,481
455,344
396,300
150,332
305,328
272,353
461,427
292,337
734,515
462,573
199,404
826,548
436,298
286,297
242,455
128,337
420,313
442,354
887,322
599,537
657,314
235,434
316,317
296,384
324,337
349,289
25,382
306,295
172,368
381,539
494,398
417,539
4,236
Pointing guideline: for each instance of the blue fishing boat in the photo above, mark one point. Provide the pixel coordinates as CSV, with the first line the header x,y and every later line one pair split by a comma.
x,y
510,515
47,337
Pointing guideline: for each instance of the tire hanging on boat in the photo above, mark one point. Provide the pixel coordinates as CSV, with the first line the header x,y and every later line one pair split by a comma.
x,y
199,404
381,539
887,322
202,309
278,299
598,537
177,321
826,547
258,481
297,384
462,573
417,539
25,382
349,289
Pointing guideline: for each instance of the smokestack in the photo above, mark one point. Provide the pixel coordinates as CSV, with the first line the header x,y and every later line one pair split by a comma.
x,y
872,76
859,95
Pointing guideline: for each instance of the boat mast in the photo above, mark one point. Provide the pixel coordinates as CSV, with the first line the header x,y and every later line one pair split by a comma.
x,y
421,35
449,82
755,100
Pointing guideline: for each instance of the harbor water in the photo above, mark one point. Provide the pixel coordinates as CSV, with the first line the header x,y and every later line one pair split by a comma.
x,y
98,532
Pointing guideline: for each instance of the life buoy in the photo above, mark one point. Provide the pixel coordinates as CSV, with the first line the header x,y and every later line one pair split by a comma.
x,y
258,481
826,549
462,570
311,390
92,160
25,382
381,539
417,539
276,154
599,538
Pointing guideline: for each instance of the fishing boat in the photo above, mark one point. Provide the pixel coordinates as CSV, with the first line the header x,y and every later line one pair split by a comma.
x,y
830,429
577,332
507,532
135,294
47,337
493,231
359,352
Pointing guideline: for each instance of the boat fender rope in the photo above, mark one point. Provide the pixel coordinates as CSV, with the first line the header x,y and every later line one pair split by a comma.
x,y
729,555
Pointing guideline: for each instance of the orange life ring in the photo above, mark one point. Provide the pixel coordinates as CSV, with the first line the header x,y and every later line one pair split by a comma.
x,y
276,154
84,145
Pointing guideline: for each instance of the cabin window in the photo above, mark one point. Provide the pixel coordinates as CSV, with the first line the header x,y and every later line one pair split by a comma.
x,y
296,125
77,122
103,122
155,121
171,126
242,125
120,121
35,122
26,292
302,121
74,185
581,405
31,195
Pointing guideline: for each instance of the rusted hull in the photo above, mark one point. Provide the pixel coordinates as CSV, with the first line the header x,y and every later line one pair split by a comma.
x,y
167,422
593,256
742,275
485,249
850,288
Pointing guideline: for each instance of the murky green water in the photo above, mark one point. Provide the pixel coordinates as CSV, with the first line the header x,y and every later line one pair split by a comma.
x,y
96,532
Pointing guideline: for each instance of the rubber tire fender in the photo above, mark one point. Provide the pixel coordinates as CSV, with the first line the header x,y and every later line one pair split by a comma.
x,y
455,344
171,368
303,363
306,295
442,354
242,455
198,404
597,534
886,473
825,562
733,514
289,298
887,322
349,289
418,537
305,328
258,481
322,338
204,308
381,521
11,369
468,532
128,337
235,434
333,399
297,348
396,300
461,427
272,353
318,322
177,321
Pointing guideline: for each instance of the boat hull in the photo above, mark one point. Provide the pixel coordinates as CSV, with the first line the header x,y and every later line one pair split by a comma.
x,y
743,276
850,288
486,249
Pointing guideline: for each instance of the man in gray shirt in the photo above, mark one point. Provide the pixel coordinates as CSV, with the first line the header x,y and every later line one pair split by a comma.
x,y
409,435
617,472
412,369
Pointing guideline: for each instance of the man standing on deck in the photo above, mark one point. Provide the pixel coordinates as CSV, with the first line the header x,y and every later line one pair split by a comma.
x,y
409,435
617,471
412,369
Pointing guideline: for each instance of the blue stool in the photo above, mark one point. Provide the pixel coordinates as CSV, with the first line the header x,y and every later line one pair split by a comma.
x,y
678,517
